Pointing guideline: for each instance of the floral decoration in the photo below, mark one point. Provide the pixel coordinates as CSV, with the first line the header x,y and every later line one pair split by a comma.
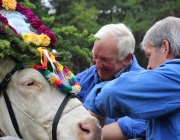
x,y
36,23
38,40
9,4
13,44
60,73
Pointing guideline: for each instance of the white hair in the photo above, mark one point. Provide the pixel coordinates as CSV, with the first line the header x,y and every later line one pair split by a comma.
x,y
126,41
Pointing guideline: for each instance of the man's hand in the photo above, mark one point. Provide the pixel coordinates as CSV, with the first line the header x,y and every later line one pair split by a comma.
x,y
102,120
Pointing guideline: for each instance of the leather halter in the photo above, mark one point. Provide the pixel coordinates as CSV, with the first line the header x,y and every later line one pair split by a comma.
x,y
59,112
11,112
8,103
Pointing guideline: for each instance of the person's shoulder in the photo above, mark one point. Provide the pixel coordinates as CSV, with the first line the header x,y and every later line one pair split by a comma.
x,y
135,65
92,68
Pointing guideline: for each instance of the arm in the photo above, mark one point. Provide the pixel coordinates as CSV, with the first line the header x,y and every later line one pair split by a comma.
x,y
132,128
125,128
140,95
113,132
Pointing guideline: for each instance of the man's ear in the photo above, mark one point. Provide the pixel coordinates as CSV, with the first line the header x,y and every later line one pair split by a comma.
x,y
128,59
167,48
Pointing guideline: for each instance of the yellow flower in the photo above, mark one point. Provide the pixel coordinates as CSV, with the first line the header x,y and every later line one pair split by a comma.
x,y
26,38
45,40
36,39
9,4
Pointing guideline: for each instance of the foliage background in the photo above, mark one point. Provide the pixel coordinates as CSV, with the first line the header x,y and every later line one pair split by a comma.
x,y
85,17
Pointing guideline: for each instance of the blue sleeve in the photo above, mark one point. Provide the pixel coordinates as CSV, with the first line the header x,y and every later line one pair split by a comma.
x,y
87,80
109,121
143,95
132,128
93,93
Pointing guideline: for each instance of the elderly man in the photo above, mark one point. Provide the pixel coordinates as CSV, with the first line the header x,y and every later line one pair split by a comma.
x,y
112,56
153,94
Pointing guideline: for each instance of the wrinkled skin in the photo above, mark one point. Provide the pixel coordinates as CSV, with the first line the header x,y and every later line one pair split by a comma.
x,y
35,103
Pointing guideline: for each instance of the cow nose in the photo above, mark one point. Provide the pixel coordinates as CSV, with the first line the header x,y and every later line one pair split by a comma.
x,y
90,131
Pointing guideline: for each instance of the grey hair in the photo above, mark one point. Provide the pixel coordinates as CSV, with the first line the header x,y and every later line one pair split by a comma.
x,y
165,29
126,41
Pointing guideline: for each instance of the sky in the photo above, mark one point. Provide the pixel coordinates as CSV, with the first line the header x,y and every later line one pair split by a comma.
x,y
46,3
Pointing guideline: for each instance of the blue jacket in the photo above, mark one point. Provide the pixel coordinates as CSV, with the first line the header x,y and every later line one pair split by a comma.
x,y
153,95
88,79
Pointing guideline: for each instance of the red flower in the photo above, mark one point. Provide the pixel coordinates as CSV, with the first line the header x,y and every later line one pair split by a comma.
x,y
66,69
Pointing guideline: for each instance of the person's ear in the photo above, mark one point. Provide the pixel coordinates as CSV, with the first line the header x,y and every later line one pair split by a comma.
x,y
128,59
167,48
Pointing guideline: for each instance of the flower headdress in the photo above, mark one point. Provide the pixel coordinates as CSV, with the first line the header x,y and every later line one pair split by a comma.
x,y
27,42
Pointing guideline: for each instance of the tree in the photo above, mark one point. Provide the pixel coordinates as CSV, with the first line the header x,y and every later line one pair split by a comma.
x,y
138,15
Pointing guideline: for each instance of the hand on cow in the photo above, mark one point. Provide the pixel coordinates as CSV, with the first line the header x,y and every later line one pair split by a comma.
x,y
102,120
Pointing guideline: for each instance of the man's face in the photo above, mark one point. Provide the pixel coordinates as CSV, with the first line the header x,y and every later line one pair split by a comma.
x,y
105,58
156,57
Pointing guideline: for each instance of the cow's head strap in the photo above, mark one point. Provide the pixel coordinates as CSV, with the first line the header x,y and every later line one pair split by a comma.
x,y
59,112
7,100
9,75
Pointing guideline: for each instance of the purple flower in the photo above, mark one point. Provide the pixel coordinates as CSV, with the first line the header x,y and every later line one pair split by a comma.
x,y
20,8
2,31
0,4
30,15
43,29
36,23
48,32
3,20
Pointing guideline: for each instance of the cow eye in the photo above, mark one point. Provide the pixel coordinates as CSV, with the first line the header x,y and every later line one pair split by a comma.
x,y
30,83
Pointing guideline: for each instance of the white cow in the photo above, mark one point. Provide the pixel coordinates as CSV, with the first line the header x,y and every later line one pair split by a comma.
x,y
35,103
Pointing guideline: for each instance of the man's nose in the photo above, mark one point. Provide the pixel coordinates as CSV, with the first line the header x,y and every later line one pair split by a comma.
x,y
98,63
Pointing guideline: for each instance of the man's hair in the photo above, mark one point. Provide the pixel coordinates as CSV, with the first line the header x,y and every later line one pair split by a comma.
x,y
126,41
165,29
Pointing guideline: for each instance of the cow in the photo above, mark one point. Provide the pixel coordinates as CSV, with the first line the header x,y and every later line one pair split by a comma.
x,y
35,102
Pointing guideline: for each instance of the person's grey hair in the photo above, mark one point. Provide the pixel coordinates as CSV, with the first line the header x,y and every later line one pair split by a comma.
x,y
126,41
165,29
